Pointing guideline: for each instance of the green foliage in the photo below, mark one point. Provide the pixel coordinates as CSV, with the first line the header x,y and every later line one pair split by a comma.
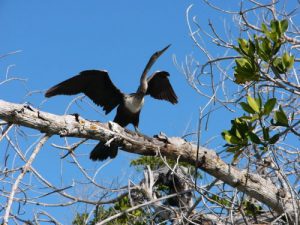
x,y
276,31
221,201
269,106
153,162
247,108
265,49
280,118
284,63
124,204
246,48
242,132
80,219
237,137
262,49
245,70
274,139
156,162
136,217
254,103
252,209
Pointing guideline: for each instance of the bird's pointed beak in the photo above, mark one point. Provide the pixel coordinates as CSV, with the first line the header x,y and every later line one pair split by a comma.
x,y
163,50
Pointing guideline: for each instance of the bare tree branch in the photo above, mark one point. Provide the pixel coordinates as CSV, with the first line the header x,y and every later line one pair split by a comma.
x,y
253,185
24,170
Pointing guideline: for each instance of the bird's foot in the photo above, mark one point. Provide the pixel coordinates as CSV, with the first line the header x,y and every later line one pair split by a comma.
x,y
76,115
138,131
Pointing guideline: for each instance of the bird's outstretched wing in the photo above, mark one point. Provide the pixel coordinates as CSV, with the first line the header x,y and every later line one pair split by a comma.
x,y
95,84
159,87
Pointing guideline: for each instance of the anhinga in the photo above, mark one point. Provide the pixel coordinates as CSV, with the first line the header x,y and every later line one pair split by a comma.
x,y
97,85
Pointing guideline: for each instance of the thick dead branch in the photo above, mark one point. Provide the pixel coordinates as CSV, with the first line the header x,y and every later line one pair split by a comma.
x,y
75,126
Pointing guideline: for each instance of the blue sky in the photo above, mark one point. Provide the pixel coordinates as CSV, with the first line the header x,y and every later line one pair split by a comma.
x,y
58,39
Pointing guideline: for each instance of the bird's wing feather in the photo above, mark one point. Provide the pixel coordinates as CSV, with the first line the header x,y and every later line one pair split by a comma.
x,y
159,87
95,84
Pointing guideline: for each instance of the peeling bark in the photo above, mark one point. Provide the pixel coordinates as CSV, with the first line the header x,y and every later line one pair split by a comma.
x,y
75,126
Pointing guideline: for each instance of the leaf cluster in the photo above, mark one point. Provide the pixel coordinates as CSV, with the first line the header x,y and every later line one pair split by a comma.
x,y
155,163
262,50
243,130
135,217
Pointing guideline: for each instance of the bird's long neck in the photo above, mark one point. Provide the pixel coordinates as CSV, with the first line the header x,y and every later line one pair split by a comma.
x,y
143,81
142,89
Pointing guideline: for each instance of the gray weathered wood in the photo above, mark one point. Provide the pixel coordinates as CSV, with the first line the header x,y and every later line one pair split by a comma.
x,y
73,126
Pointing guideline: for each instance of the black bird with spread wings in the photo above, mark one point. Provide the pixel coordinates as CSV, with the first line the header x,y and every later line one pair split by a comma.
x,y
97,85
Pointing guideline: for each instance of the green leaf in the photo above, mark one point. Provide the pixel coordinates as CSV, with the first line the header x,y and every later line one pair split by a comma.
x,y
243,45
293,116
252,209
229,138
274,36
248,118
276,48
274,139
254,117
238,134
288,60
243,77
243,63
259,101
279,65
265,49
266,133
251,50
254,138
237,154
237,49
247,108
269,106
221,201
253,104
284,25
281,118
275,30
233,149
251,118
264,28
245,70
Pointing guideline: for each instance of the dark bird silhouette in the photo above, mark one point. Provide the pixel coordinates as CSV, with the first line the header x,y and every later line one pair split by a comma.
x,y
97,85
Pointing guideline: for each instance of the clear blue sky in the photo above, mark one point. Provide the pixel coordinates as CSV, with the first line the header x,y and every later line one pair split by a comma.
x,y
58,39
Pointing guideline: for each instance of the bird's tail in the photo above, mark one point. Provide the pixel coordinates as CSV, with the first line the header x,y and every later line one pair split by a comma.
x,y
102,152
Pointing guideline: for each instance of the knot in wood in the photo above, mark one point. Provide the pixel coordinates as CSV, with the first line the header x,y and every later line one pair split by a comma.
x,y
63,132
